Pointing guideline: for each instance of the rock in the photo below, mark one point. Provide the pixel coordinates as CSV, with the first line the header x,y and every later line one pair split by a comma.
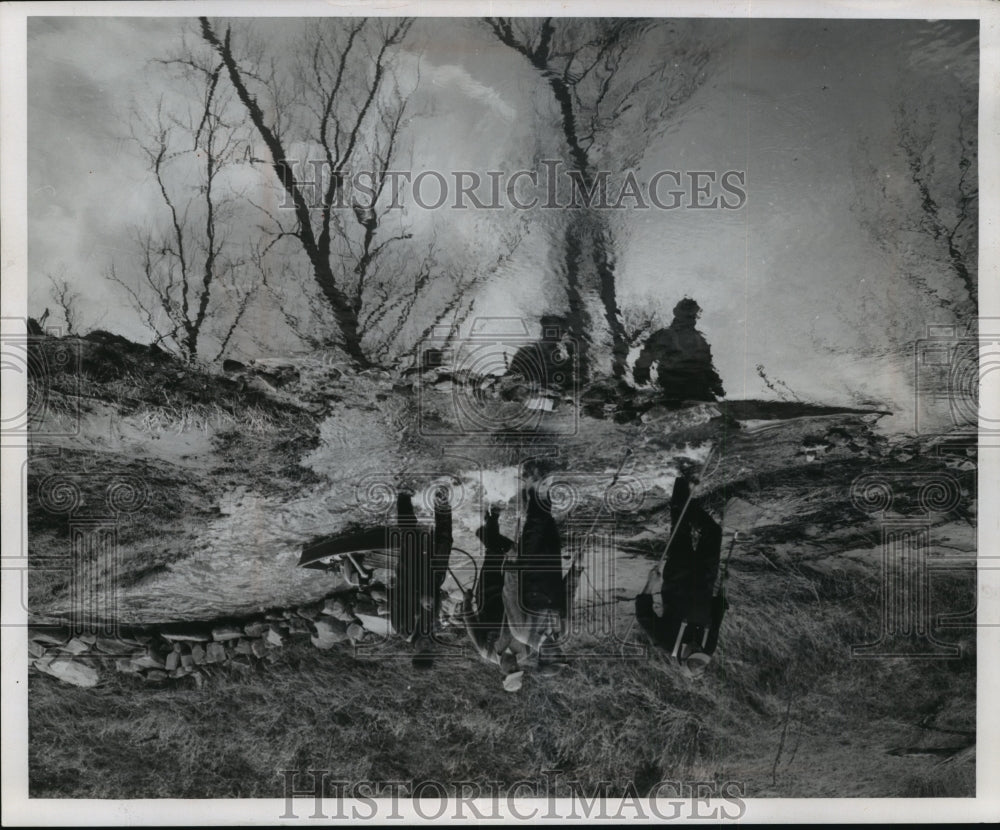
x,y
298,625
89,639
364,605
337,608
69,671
312,611
186,636
230,365
173,661
276,616
274,637
126,666
224,633
187,662
156,676
47,639
377,625
243,647
76,646
378,595
198,654
257,647
180,672
241,665
35,649
329,632
150,660
215,653
199,679
355,632
117,648
255,629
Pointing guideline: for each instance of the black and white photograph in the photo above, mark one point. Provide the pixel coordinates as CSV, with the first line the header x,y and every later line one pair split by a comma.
x,y
499,412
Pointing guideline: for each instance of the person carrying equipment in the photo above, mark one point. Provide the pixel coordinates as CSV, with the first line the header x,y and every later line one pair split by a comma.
x,y
692,609
487,626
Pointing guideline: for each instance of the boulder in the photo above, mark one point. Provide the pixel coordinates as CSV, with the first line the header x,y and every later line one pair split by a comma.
x,y
224,633
243,647
198,654
274,637
69,671
187,662
173,661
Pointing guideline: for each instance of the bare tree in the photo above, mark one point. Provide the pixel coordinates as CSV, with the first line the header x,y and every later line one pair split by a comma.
x,y
66,299
603,83
339,97
927,220
191,284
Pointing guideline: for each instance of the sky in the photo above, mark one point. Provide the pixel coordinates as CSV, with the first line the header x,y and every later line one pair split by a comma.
x,y
792,281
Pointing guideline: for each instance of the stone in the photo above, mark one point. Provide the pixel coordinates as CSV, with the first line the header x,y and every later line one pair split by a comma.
x,y
89,639
254,629
76,646
149,660
355,632
155,676
35,649
186,636
298,625
311,611
69,671
329,632
241,665
257,647
187,662
198,654
336,607
215,653
126,666
274,637
275,616
243,647
224,633
117,647
364,605
378,595
180,671
199,679
377,625
173,661
47,639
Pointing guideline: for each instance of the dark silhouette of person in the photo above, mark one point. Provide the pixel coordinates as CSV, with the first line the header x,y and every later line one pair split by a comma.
x,y
692,609
549,360
683,359
421,568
